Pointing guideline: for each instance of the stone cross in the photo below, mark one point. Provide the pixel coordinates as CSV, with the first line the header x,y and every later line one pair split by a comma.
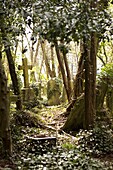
x,y
25,68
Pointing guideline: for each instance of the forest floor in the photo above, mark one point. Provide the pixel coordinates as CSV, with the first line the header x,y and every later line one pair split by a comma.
x,y
28,153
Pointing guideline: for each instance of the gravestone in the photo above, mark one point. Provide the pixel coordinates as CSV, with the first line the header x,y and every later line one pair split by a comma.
x,y
27,92
12,97
54,88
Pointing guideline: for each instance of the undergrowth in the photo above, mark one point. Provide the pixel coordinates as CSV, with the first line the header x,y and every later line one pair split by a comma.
x,y
97,141
34,155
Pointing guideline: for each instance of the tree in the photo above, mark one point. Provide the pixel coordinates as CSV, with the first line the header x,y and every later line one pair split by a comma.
x,y
90,44
5,133
53,61
8,32
6,42
75,21
62,70
48,69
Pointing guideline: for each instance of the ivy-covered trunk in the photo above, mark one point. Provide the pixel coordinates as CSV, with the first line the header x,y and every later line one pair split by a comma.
x,y
4,112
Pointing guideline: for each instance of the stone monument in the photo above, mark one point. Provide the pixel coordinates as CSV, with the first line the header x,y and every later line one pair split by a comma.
x,y
54,88
27,92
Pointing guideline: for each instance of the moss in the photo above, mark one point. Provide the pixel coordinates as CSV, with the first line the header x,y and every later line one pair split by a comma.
x,y
27,118
75,119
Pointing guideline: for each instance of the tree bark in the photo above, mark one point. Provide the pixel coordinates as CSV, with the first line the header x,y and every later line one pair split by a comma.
x,y
101,91
88,115
53,62
36,53
93,54
14,77
10,61
89,106
49,72
62,70
78,82
5,133
68,75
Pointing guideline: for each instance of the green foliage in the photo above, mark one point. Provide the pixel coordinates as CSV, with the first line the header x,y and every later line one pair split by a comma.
x,y
31,154
97,141
27,119
68,146
70,20
55,20
10,21
31,104
107,71
59,159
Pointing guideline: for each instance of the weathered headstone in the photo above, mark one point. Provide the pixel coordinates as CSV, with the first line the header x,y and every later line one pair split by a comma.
x,y
54,87
27,92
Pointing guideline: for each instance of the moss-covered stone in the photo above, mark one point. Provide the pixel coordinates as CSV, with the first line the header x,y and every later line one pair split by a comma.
x,y
75,120
54,87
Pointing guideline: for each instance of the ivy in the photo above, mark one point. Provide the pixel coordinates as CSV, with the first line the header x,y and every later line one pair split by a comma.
x,y
97,141
107,71
70,20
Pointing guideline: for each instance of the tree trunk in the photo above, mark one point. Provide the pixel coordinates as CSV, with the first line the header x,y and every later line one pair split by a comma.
x,y
68,75
90,101
49,72
101,91
4,112
62,69
93,54
36,53
10,62
89,104
88,114
53,62
14,77
78,82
